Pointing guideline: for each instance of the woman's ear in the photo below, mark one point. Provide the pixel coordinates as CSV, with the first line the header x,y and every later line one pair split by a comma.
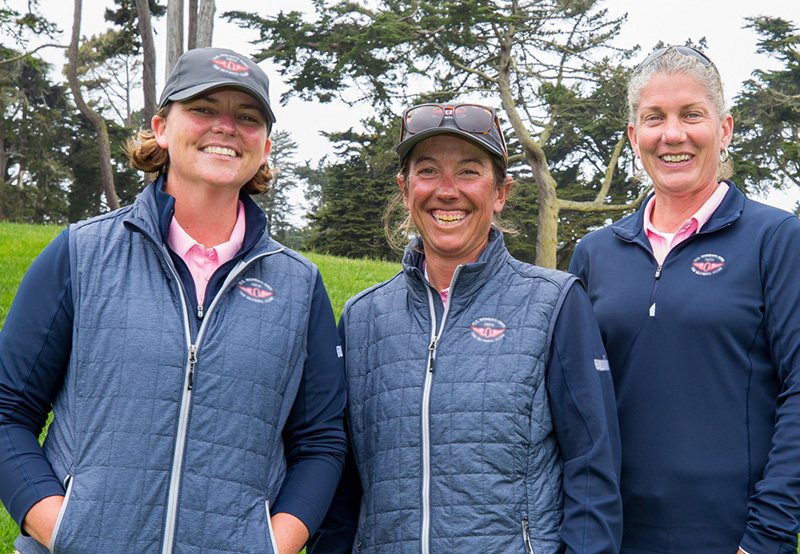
x,y
401,182
159,126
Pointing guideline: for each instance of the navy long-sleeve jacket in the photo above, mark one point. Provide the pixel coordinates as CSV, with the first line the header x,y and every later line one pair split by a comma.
x,y
705,356
35,346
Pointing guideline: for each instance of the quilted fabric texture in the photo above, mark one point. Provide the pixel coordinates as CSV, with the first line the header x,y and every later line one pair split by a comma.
x,y
116,418
494,461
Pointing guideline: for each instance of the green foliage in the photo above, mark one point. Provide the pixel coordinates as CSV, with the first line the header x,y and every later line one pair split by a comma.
x,y
275,202
353,194
766,147
541,60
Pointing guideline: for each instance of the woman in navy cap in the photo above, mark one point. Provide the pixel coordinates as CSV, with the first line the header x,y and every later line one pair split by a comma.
x,y
480,406
192,363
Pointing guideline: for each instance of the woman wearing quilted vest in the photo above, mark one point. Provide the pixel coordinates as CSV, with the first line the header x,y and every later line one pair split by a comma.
x,y
192,363
697,297
480,405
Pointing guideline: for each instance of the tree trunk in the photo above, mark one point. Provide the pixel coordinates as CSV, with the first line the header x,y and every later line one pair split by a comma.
x,y
149,62
174,34
191,40
205,23
96,121
547,228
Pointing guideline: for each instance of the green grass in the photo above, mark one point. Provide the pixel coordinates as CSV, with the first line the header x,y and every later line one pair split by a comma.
x,y
20,244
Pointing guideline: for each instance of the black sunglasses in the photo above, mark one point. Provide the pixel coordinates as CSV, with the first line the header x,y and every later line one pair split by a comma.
x,y
685,50
470,118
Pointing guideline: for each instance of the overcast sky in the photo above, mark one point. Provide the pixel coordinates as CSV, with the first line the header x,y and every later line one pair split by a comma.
x,y
721,22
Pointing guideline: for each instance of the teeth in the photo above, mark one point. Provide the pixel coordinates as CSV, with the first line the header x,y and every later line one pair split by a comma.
x,y
449,218
674,158
219,150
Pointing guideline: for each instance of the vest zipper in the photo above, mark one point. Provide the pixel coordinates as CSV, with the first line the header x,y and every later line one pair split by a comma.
x,y
526,537
426,412
186,399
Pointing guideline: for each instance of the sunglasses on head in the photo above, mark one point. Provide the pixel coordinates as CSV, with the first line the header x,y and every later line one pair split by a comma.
x,y
470,118
684,50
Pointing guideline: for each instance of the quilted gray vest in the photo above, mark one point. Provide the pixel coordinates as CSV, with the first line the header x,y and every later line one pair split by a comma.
x,y
168,440
448,411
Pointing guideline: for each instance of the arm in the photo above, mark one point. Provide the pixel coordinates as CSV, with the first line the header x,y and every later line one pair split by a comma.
x,y
582,402
30,377
314,437
772,522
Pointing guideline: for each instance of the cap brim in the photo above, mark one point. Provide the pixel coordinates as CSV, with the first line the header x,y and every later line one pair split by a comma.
x,y
197,90
405,147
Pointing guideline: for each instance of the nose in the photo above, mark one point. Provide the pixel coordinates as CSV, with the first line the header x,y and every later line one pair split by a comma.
x,y
673,131
447,187
224,123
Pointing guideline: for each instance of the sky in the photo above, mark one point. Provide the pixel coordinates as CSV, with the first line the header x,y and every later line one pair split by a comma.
x,y
720,22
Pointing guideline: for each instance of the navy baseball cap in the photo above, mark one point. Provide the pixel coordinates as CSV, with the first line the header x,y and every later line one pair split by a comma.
x,y
474,122
203,69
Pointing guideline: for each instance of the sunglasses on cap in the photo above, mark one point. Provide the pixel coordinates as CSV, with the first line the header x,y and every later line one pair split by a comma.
x,y
480,121
684,50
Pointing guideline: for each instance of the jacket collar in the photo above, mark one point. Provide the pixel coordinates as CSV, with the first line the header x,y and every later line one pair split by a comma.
x,y
154,208
631,228
471,276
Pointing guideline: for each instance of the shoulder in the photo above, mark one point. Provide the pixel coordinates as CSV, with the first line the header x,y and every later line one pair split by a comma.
x,y
560,279
376,293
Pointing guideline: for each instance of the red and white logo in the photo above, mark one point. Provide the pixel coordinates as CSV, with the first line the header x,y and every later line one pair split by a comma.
x,y
230,64
255,290
487,329
708,264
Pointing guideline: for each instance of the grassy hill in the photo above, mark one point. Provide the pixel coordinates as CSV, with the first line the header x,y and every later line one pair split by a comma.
x,y
20,244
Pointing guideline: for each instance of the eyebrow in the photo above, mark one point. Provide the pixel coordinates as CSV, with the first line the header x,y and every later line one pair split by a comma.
x,y
212,100
464,161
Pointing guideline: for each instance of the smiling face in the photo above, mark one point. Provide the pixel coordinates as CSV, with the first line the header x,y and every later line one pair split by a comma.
x,y
218,140
679,135
452,196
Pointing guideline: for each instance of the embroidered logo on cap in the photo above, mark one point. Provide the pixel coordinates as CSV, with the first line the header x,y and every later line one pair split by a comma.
x,y
708,264
487,329
255,290
230,64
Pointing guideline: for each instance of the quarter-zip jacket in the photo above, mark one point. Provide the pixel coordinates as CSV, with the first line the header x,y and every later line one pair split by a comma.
x,y
463,427
172,432
705,355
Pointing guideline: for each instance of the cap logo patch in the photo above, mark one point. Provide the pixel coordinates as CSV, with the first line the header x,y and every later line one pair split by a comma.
x,y
255,290
230,64
487,329
708,264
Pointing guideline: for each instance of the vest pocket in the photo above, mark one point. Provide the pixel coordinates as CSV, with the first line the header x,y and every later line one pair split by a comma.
x,y
270,530
526,536
54,537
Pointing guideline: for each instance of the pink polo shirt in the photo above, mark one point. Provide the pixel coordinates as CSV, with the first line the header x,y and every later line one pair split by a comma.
x,y
662,243
201,261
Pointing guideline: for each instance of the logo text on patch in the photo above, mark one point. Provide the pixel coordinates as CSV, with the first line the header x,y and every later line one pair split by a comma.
x,y
255,290
228,63
708,264
487,329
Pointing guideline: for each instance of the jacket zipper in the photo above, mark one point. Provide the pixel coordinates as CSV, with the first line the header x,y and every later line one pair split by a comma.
x,y
54,537
426,413
186,398
526,537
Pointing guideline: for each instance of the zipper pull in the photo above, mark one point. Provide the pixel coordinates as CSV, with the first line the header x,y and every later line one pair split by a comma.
x,y
192,363
658,271
432,354
199,311
526,537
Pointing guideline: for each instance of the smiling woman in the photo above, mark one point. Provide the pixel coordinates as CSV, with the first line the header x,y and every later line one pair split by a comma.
x,y
481,414
192,363
696,296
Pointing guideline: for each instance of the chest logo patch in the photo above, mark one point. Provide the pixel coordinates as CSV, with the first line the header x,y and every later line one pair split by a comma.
x,y
255,290
487,329
708,264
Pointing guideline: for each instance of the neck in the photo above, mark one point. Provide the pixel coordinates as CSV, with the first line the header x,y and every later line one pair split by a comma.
x,y
440,272
206,216
670,211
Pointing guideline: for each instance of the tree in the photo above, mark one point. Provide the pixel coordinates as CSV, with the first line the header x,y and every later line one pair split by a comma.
x,y
540,60
95,119
766,149
35,122
275,202
352,194
201,28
